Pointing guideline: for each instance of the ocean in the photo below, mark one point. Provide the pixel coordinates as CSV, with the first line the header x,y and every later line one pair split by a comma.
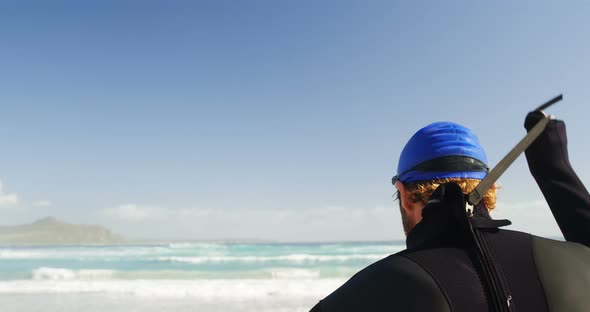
x,y
180,276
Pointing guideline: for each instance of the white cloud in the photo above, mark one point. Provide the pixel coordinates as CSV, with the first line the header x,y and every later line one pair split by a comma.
x,y
133,212
322,224
42,203
533,216
521,209
7,199
305,224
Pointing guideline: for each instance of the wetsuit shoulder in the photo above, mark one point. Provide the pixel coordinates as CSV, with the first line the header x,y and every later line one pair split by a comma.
x,y
564,273
395,283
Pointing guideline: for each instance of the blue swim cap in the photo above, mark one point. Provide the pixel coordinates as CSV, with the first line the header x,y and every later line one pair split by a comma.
x,y
442,150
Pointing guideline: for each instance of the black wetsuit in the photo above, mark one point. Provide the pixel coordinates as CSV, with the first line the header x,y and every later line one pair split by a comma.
x,y
459,263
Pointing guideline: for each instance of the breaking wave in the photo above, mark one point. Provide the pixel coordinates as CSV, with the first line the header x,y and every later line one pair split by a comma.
x,y
227,290
53,274
295,258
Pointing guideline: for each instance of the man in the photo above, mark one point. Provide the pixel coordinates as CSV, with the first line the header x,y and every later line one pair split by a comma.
x,y
460,260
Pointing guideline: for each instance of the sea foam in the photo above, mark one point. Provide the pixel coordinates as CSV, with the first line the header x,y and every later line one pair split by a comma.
x,y
81,253
45,273
296,258
226,290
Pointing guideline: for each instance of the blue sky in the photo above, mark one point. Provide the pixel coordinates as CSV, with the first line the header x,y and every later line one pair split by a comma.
x,y
270,119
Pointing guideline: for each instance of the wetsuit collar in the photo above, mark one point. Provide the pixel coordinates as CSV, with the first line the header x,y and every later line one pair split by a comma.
x,y
444,221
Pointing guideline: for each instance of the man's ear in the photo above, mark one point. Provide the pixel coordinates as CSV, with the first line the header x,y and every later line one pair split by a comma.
x,y
403,196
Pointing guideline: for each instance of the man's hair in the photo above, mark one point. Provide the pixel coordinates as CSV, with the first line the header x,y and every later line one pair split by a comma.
x,y
420,191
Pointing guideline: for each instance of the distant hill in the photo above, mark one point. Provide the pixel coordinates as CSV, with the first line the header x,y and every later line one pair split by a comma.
x,y
51,231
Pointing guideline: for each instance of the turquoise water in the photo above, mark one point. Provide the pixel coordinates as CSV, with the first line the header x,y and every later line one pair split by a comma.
x,y
190,260
211,276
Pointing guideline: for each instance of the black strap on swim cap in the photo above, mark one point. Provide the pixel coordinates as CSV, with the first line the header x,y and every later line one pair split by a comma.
x,y
452,163
448,164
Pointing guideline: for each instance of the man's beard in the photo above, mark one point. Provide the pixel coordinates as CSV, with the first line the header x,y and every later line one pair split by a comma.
x,y
405,221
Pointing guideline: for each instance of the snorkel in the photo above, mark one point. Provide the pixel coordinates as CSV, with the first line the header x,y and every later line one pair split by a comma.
x,y
475,196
